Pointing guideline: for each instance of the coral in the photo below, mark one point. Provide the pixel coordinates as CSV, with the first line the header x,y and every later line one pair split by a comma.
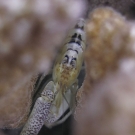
x,y
125,7
30,32
106,99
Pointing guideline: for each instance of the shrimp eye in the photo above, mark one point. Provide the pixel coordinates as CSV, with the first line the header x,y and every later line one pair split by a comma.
x,y
65,60
73,62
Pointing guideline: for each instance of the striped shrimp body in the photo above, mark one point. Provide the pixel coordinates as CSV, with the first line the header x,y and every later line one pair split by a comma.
x,y
69,62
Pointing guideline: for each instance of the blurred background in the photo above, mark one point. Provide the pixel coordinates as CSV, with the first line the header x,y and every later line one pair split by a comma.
x,y
32,32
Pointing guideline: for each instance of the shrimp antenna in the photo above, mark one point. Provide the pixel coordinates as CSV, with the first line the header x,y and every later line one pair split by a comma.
x,y
66,100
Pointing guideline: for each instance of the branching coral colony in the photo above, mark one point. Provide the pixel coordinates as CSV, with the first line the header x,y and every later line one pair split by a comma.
x,y
63,87
106,101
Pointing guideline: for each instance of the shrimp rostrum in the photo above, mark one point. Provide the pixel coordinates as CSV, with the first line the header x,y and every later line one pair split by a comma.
x,y
59,93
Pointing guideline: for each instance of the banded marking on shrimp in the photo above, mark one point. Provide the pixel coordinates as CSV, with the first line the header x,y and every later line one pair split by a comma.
x,y
69,62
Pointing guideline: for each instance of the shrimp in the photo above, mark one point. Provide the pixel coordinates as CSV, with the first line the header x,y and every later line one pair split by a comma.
x,y
61,90
69,62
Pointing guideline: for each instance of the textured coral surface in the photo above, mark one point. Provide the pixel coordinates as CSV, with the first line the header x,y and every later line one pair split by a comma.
x,y
32,30
125,7
106,99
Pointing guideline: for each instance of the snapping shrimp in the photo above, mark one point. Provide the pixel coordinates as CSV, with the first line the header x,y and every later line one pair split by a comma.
x,y
61,91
